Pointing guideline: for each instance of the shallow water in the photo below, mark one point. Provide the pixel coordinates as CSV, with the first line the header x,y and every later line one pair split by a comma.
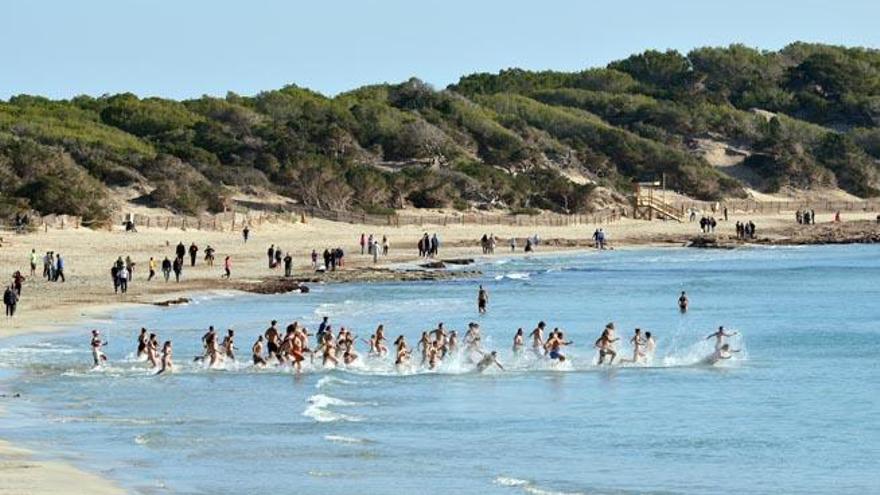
x,y
795,412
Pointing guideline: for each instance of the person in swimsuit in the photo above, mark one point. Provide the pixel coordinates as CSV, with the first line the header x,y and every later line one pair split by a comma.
x,y
683,302
153,350
403,352
488,360
719,337
423,345
605,344
650,347
518,343
537,337
142,344
257,352
638,343
452,343
229,344
272,343
722,353
554,345
97,354
434,354
167,364
328,348
482,300
381,349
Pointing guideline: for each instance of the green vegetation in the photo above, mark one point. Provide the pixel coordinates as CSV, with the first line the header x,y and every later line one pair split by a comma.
x,y
512,139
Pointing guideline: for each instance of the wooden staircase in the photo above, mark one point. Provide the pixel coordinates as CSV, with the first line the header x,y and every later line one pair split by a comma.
x,y
649,207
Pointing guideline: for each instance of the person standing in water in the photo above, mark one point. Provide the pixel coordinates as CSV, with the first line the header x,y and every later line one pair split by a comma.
x,y
683,302
142,344
537,336
650,347
482,300
605,344
638,343
719,337
97,354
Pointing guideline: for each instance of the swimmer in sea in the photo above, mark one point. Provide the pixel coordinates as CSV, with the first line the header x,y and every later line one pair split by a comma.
x,y
167,364
424,343
537,337
605,344
650,347
381,349
719,337
518,342
720,354
272,337
97,354
229,344
554,345
488,360
638,343
683,302
142,344
452,343
472,334
403,352
153,350
482,300
434,354
257,352
328,349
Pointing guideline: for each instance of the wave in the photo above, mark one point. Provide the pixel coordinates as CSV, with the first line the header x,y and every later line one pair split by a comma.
x,y
318,404
514,276
331,380
528,486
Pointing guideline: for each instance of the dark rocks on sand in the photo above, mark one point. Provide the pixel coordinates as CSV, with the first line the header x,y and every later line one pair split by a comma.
x,y
173,302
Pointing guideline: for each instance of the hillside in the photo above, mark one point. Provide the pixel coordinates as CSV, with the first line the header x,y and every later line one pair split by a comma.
x,y
803,117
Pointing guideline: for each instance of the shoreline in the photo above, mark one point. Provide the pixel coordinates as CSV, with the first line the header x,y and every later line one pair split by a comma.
x,y
88,301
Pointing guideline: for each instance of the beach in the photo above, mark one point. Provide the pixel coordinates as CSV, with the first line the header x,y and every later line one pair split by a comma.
x,y
88,292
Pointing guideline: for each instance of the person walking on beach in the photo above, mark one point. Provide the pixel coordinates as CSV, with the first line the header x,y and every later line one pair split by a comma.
x,y
166,268
209,255
482,300
152,267
384,245
59,268
33,259
193,251
10,299
270,254
227,267
181,250
363,243
512,244
683,302
123,275
177,266
314,260
245,233
17,281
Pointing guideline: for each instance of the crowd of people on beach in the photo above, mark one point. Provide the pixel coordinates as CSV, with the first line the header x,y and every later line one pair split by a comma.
x,y
708,224
429,246
805,217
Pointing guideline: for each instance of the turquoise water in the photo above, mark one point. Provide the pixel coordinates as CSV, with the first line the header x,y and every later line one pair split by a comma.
x,y
796,412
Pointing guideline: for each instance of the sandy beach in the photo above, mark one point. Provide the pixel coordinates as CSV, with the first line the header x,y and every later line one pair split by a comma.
x,y
88,291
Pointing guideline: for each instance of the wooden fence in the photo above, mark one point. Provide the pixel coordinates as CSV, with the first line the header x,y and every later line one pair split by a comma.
x,y
752,206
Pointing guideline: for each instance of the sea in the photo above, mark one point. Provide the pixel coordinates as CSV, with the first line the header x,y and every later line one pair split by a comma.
x,y
796,410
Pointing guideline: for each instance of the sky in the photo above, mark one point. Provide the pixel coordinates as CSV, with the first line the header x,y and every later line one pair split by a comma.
x,y
186,48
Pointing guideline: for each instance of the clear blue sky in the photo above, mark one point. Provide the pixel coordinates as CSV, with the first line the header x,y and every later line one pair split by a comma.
x,y
186,48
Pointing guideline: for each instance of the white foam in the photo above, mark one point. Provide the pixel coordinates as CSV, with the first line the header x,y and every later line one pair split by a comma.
x,y
344,439
514,276
331,380
528,486
317,409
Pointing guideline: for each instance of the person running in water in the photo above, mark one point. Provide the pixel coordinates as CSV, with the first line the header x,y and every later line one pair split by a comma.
x,y
257,352
683,302
719,337
638,343
605,344
228,344
167,364
537,337
554,345
97,354
488,360
142,344
518,343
